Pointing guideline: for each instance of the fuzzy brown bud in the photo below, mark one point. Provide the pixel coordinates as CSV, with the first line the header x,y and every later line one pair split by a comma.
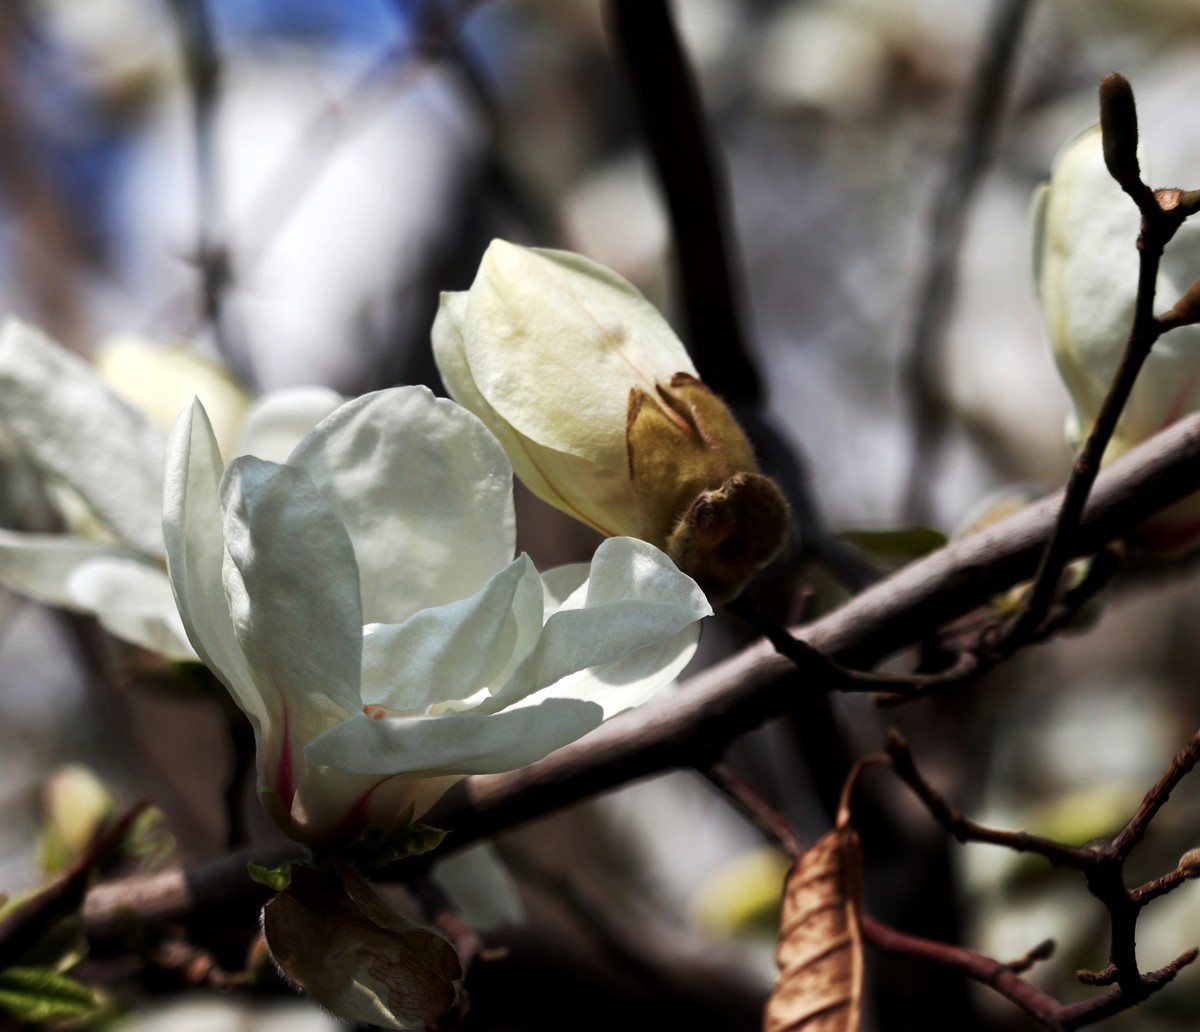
x,y
698,489
1119,129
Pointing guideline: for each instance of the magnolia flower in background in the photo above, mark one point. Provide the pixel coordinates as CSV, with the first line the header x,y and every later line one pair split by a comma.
x,y
362,604
601,412
100,458
160,380
1086,267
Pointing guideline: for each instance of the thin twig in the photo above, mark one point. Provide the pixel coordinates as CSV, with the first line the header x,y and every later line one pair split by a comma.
x,y
966,830
1156,798
767,818
203,66
1101,863
982,121
1003,978
1089,1012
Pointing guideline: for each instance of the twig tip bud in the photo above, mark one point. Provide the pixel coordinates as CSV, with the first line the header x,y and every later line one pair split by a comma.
x,y
1189,864
1119,130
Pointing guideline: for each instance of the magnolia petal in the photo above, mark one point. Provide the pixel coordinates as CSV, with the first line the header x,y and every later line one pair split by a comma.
x,y
195,552
599,497
292,587
629,681
634,598
424,491
195,547
561,582
555,342
161,380
450,652
1086,267
133,601
454,743
277,422
40,565
75,428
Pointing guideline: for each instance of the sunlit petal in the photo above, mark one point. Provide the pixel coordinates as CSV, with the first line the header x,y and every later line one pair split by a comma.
x,y
195,546
292,590
455,743
424,491
277,422
536,317
607,506
633,598
450,652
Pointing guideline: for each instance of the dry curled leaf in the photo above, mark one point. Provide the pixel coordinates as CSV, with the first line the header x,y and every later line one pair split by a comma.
x,y
335,936
819,953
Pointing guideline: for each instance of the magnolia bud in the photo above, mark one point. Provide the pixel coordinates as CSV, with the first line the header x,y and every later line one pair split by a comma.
x,y
1119,128
602,415
1086,265
77,804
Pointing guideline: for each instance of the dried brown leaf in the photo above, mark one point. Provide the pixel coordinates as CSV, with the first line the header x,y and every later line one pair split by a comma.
x,y
819,952
339,939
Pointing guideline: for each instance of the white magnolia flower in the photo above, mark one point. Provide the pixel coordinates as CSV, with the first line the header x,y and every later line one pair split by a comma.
x,y
101,458
1086,267
362,604
600,410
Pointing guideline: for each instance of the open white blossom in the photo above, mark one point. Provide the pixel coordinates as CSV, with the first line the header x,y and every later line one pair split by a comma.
x,y
362,604
101,459
1086,266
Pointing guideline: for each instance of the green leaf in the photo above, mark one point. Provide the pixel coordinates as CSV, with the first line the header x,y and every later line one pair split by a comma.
x,y
375,848
896,544
43,994
276,878
150,839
